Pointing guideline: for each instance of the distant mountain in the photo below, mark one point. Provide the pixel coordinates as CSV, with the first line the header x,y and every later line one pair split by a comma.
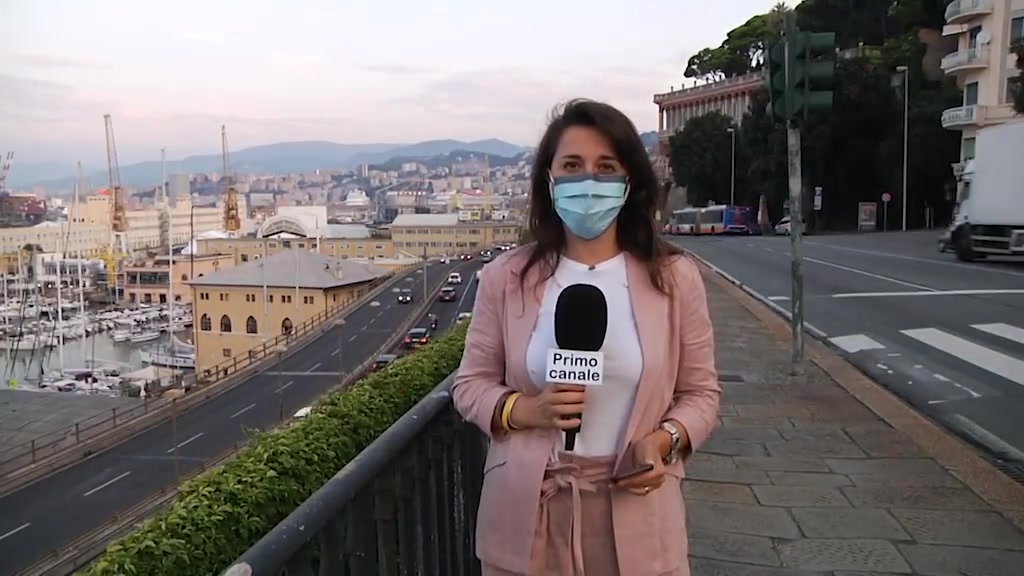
x,y
446,160
432,148
279,158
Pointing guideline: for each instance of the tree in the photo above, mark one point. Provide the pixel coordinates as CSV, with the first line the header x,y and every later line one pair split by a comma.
x,y
1018,94
701,159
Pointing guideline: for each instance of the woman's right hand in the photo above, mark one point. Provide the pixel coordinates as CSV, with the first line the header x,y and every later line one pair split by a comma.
x,y
559,406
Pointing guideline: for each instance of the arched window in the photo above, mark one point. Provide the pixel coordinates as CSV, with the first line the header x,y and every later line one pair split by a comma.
x,y
205,324
225,323
286,326
250,325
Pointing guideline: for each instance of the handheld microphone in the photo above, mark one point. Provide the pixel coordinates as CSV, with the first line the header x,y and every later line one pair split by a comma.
x,y
581,322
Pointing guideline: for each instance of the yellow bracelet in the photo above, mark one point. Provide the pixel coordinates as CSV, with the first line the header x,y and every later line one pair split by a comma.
x,y
506,411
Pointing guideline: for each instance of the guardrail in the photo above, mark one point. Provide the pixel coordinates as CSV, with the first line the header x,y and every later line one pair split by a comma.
x,y
419,482
87,547
41,456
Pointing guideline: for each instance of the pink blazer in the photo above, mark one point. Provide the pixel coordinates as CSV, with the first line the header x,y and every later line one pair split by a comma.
x,y
678,381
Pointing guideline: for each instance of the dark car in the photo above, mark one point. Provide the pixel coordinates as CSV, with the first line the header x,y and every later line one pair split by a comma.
x,y
405,297
466,257
382,361
447,294
416,337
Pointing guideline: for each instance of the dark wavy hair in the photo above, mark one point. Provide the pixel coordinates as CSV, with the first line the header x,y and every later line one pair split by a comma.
x,y
637,228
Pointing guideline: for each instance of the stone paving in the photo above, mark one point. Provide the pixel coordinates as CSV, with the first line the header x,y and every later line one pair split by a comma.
x,y
801,479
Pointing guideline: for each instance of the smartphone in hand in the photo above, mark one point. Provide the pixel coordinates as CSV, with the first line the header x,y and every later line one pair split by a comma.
x,y
632,473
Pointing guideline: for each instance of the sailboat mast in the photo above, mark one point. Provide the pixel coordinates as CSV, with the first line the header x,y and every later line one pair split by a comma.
x,y
78,256
170,250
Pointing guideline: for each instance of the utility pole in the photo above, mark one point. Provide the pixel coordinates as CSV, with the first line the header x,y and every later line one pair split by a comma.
x,y
798,68
425,275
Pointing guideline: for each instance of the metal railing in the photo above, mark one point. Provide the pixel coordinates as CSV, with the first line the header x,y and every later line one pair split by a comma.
x,y
16,459
405,505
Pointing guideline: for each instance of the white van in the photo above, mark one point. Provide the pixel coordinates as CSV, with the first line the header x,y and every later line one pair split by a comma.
x,y
455,278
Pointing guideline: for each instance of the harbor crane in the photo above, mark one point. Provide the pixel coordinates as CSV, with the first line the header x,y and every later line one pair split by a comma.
x,y
5,167
232,220
118,249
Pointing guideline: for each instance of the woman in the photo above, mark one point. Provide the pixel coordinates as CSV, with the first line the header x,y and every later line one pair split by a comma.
x,y
543,510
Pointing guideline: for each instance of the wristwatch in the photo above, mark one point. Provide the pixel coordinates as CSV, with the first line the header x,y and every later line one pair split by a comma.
x,y
676,442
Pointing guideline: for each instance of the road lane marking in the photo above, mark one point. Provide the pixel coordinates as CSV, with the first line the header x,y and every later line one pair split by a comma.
x,y
462,301
314,367
243,411
190,440
971,267
352,339
1002,330
869,274
929,292
985,358
105,484
15,531
336,350
289,383
854,343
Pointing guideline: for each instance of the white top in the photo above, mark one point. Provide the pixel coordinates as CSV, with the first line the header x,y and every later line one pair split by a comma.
x,y
608,406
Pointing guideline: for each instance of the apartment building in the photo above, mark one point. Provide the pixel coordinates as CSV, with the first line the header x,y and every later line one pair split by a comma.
x,y
983,65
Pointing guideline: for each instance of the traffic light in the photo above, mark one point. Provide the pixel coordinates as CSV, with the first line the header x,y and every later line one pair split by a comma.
x,y
816,59
811,69
777,82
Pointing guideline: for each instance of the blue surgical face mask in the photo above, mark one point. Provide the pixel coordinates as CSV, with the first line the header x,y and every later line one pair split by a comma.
x,y
588,204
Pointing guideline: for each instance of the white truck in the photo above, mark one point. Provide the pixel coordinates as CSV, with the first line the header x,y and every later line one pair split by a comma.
x,y
989,219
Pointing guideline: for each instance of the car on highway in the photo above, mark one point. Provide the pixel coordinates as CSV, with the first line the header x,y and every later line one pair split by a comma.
x,y
486,256
783,227
381,362
466,257
445,259
447,294
416,338
405,296
463,316
454,278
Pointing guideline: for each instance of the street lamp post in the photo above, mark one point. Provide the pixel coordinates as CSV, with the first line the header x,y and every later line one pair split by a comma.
x,y
906,135
280,350
732,182
339,326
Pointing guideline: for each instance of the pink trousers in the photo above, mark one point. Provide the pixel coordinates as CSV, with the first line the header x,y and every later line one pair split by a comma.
x,y
575,533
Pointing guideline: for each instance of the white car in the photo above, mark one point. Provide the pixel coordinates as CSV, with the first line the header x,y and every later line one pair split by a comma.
x,y
463,316
455,278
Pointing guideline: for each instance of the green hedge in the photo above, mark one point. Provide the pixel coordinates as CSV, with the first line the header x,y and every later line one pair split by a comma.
x,y
219,515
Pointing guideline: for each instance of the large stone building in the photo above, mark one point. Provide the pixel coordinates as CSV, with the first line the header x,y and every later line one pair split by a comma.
x,y
239,308
440,234
983,65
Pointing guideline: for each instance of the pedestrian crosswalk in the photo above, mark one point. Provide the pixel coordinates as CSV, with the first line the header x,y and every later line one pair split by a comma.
x,y
996,349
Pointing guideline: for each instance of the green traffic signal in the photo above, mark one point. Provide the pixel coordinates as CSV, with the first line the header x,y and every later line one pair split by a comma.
x,y
799,84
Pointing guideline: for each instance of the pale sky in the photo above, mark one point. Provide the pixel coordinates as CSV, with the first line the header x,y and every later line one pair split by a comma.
x,y
355,71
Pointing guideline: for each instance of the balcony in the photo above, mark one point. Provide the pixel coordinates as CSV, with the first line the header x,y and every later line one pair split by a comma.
x,y
960,11
960,117
419,482
969,59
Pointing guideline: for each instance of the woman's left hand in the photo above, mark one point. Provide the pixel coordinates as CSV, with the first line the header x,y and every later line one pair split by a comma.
x,y
647,451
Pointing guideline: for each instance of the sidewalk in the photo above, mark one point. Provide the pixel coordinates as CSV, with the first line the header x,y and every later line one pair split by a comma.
x,y
803,479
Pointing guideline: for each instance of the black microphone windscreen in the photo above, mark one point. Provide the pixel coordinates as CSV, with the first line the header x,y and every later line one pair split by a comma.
x,y
581,318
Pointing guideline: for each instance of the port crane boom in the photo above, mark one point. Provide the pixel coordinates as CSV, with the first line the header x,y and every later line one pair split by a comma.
x,y
118,249
232,220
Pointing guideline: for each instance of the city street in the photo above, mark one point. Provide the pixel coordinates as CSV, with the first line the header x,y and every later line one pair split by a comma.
x,y
947,336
